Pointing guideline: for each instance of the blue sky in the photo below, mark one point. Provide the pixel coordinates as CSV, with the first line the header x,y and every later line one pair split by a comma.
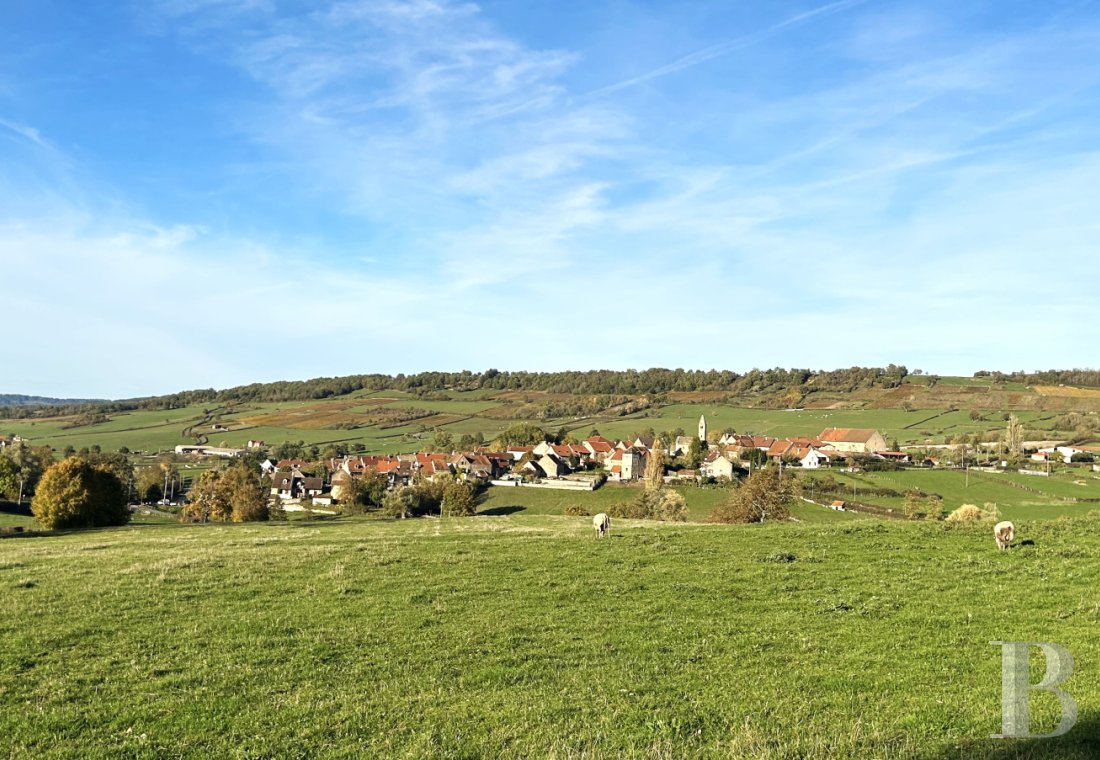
x,y
202,193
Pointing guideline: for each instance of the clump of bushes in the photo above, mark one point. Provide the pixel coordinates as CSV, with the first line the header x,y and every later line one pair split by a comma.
x,y
659,504
970,513
575,511
75,493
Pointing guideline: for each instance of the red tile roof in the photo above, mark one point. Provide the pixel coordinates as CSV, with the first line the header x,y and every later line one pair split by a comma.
x,y
847,435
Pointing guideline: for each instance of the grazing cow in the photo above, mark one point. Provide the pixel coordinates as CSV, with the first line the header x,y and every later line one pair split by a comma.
x,y
602,524
1004,532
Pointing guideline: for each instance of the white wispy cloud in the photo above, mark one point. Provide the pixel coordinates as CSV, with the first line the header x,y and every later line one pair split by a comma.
x,y
720,49
865,218
24,131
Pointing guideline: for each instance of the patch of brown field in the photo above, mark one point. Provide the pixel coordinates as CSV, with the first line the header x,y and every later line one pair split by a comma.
x,y
311,417
692,397
1068,391
533,396
826,403
319,408
437,420
893,398
503,412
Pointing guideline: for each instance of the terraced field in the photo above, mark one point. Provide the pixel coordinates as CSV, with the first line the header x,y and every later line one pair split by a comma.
x,y
391,422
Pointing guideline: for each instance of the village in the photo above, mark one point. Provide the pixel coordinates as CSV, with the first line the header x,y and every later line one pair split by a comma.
x,y
583,465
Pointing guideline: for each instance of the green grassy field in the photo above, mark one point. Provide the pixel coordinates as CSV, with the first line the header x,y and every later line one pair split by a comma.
x,y
522,636
700,502
957,489
9,519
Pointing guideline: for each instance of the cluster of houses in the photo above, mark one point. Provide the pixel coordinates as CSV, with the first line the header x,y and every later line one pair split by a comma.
x,y
6,441
622,460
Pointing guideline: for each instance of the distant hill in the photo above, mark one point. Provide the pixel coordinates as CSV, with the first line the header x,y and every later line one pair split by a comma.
x,y
17,399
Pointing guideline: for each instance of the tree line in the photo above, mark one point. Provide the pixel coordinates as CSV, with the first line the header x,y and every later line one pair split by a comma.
x,y
428,384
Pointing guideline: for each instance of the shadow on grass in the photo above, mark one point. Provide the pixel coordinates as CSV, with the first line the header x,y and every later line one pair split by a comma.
x,y
1081,743
11,508
499,511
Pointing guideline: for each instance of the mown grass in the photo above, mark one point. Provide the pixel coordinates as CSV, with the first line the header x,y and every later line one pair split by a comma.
x,y
13,519
502,500
525,637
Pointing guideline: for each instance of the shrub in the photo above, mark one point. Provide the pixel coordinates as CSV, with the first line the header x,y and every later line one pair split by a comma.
x,y
575,511
630,510
399,502
661,504
764,496
671,507
969,513
459,499
76,494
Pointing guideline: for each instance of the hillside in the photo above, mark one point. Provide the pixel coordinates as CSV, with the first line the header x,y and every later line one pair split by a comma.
x,y
523,637
16,399
389,421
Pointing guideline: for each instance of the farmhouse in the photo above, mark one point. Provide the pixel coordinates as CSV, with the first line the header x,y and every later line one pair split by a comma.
x,y
626,465
716,465
853,440
517,452
209,451
293,485
781,450
681,445
894,456
812,459
475,466
1065,453
599,448
5,441
547,466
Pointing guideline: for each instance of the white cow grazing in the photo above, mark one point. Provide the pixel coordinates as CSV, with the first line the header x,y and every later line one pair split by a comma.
x,y
1004,532
602,524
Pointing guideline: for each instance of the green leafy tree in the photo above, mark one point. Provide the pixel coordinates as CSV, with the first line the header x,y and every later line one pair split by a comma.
x,y
763,497
914,504
206,500
30,463
755,457
1014,438
9,479
459,500
244,493
933,508
523,434
695,452
77,494
443,441
117,463
400,502
148,483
